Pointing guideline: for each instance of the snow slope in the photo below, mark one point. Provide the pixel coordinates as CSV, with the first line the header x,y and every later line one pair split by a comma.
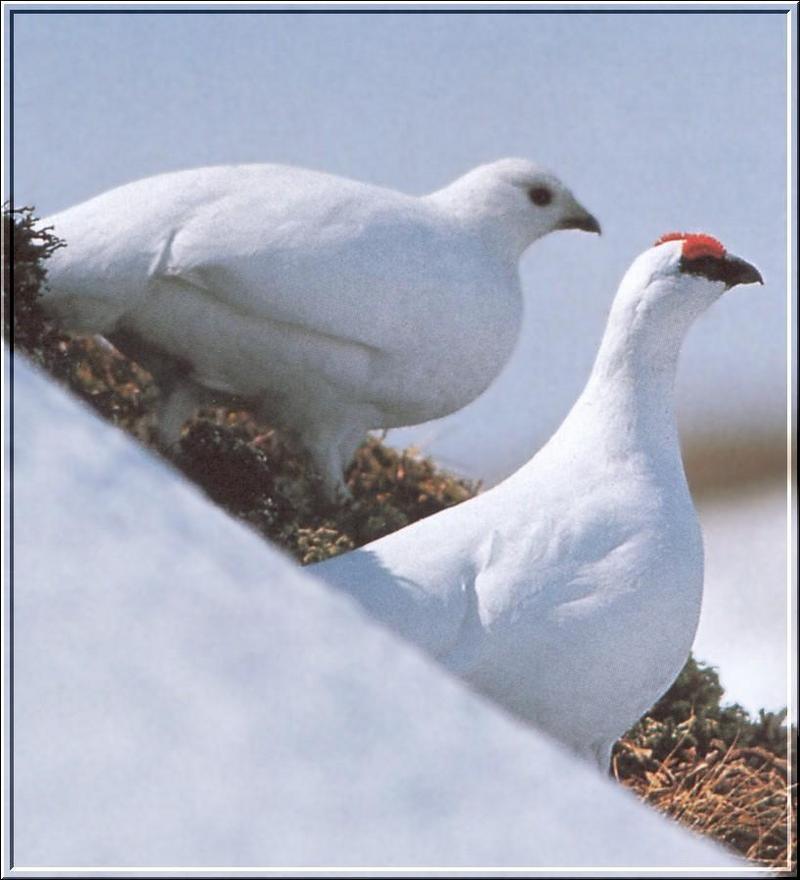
x,y
184,695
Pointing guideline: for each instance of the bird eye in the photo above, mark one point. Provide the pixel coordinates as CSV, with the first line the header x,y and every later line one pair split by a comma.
x,y
540,195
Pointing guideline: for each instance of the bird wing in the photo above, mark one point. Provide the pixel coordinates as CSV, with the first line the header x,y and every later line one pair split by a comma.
x,y
418,582
299,248
451,583
339,269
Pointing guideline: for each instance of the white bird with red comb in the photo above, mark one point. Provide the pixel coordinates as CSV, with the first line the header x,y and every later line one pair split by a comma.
x,y
570,593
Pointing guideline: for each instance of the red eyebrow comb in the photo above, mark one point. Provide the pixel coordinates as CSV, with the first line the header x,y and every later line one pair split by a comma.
x,y
695,244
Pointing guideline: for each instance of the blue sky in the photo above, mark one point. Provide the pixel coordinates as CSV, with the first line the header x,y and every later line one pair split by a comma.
x,y
657,122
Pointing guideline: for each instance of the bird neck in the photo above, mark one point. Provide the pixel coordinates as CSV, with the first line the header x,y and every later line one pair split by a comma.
x,y
481,210
628,401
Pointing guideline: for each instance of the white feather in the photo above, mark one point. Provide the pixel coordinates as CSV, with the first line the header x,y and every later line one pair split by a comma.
x,y
334,305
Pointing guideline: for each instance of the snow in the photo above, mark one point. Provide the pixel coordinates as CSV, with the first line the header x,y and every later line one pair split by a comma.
x,y
743,622
184,695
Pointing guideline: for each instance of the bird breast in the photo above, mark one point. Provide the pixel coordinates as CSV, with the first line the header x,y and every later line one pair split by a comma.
x,y
594,619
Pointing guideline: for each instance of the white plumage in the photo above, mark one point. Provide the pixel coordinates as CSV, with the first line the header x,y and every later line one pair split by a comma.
x,y
570,593
332,306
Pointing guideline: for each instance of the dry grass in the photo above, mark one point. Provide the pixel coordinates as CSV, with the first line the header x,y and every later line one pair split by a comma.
x,y
739,796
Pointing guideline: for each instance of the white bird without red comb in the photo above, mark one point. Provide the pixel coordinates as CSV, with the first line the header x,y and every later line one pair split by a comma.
x,y
570,593
331,306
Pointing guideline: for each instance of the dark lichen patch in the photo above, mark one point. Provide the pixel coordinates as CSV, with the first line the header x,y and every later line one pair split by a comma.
x,y
255,474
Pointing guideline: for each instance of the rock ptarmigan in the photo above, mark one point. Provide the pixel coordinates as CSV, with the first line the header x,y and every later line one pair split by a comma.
x,y
330,306
570,593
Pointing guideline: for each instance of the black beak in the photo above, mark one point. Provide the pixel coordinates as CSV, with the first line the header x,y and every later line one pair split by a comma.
x,y
584,221
729,269
739,271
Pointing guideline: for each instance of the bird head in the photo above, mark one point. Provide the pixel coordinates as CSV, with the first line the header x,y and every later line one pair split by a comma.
x,y
686,271
516,202
666,288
